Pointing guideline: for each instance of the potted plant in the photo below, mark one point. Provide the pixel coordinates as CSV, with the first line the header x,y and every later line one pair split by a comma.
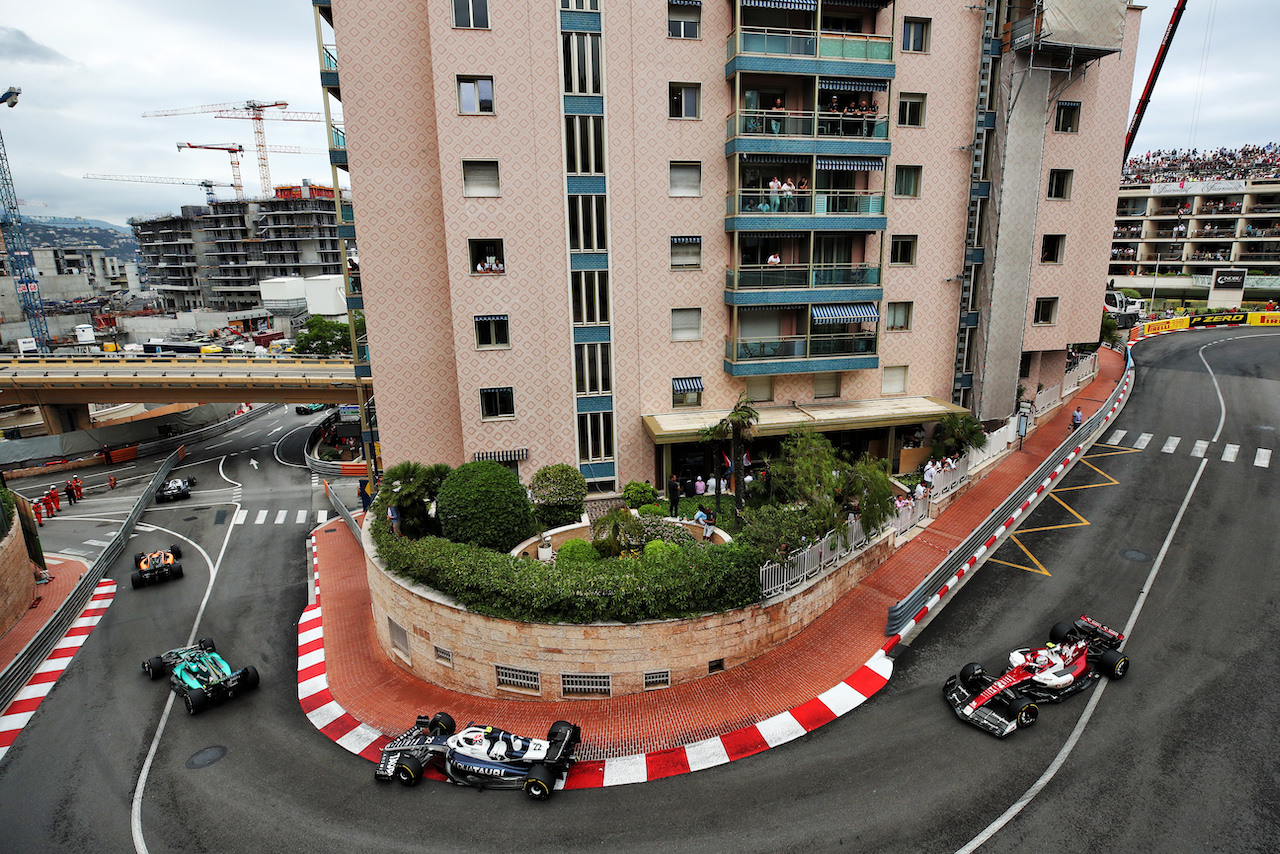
x,y
545,552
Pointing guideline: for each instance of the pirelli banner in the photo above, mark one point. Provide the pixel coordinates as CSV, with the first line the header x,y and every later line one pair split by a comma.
x,y
1252,318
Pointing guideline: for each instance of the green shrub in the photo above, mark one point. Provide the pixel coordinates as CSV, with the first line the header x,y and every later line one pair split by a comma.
x,y
636,494
559,491
654,528
652,510
616,532
405,485
655,550
328,455
577,550
483,503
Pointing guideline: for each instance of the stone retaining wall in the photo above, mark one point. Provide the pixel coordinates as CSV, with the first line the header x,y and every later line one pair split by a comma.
x,y
17,578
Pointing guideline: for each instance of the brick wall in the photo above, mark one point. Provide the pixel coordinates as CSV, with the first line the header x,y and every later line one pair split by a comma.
x,y
17,580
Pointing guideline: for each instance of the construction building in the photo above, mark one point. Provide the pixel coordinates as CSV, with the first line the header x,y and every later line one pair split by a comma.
x,y
587,228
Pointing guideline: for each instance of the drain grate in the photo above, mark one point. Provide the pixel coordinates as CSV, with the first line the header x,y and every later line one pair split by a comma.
x,y
1135,555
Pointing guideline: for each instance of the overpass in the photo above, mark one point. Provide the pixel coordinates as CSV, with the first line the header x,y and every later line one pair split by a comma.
x,y
64,386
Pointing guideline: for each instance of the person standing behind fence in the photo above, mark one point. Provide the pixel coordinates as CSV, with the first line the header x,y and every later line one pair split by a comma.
x,y
929,471
673,496
1077,418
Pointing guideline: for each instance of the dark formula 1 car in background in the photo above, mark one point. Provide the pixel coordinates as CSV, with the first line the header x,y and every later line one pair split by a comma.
x,y
1077,656
200,676
482,756
175,489
157,566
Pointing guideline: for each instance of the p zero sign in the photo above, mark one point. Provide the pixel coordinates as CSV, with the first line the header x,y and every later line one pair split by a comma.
x,y
1216,319
1232,280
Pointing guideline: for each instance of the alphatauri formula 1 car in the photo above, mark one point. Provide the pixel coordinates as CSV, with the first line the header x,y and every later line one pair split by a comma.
x,y
200,676
1078,654
175,489
157,566
482,756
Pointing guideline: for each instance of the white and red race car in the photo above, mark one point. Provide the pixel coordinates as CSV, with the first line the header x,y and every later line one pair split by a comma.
x,y
1077,655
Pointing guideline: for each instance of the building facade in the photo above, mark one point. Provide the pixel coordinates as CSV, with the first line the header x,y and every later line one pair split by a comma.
x,y
587,228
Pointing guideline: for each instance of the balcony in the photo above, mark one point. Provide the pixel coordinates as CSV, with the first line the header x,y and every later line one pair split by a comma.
x,y
801,276
806,203
769,41
800,354
806,124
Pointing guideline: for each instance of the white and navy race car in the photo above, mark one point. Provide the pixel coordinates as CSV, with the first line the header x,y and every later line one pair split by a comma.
x,y
1077,655
175,489
482,756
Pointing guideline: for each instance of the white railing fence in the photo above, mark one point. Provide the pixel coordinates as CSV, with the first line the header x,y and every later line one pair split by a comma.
x,y
1080,374
809,562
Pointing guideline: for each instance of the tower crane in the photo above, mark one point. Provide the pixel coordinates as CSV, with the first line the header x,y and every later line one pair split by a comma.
x,y
253,110
22,266
150,179
235,149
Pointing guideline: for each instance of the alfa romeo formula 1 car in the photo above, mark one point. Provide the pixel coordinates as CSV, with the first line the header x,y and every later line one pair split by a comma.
x,y
175,489
1077,656
200,676
482,756
157,566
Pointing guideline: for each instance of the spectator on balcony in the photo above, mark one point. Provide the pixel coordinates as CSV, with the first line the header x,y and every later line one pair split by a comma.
x,y
777,117
853,119
802,194
831,126
788,196
774,260
775,187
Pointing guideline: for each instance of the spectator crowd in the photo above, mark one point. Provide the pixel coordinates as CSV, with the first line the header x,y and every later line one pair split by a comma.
x,y
1191,164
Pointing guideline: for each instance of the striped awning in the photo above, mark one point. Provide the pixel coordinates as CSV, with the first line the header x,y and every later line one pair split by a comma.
x,y
841,84
775,158
502,456
679,240
483,318
1068,103
686,385
849,312
851,164
795,5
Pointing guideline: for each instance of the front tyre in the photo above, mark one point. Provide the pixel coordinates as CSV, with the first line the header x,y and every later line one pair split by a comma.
x,y
1024,712
154,667
207,645
1114,663
540,782
176,551
972,677
1061,631
441,724
408,770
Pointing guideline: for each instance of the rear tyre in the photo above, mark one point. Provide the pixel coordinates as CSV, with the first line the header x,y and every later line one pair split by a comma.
x,y
408,770
137,580
137,558
441,724
175,571
176,551
972,676
154,667
1114,663
191,481
1061,631
540,782
196,700
249,680
1024,712
207,645
557,728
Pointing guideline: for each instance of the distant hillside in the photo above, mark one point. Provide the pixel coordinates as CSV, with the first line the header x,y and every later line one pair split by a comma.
x,y
117,241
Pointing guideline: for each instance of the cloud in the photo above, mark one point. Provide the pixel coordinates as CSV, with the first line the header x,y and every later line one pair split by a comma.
x,y
17,46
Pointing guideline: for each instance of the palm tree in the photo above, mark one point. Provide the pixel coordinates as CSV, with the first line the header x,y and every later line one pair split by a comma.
x,y
956,433
716,433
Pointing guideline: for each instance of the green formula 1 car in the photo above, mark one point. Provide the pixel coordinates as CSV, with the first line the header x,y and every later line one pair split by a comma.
x,y
200,676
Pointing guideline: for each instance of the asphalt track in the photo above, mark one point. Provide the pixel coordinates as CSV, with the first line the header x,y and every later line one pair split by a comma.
x,y
1174,758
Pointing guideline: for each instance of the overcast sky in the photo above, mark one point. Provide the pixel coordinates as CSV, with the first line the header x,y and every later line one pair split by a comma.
x,y
88,70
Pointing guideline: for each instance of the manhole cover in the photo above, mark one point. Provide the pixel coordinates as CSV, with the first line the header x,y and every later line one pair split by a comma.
x,y
1135,555
205,758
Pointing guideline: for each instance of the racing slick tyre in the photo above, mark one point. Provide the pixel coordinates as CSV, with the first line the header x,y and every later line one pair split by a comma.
x,y
154,667
137,558
972,676
408,770
557,728
175,571
1024,712
250,679
1061,631
441,724
191,481
137,580
1114,663
197,701
540,782
207,645
176,551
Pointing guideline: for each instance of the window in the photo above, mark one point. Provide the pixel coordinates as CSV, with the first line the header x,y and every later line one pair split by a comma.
x,y
587,224
897,315
1024,366
684,100
1051,248
686,391
1060,183
902,249
580,5
906,181
591,369
581,63
683,20
686,324
471,14
915,35
584,145
686,253
826,385
1046,310
486,257
686,179
1066,119
759,388
894,380
595,437
475,95
911,109
491,332
480,178
497,403
590,297
399,637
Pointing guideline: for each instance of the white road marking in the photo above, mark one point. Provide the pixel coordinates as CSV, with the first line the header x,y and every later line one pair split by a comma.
x,y
1143,440
1229,453
1198,449
280,516
1262,459
262,517
1170,444
219,445
322,516
302,517
98,543
241,515
1116,437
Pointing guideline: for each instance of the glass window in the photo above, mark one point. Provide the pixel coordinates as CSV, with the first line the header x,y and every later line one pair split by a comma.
x,y
584,145
902,249
915,34
1046,310
894,380
595,437
590,297
497,403
686,398
684,100
587,224
486,257
1052,248
906,181
480,178
1060,183
759,388
683,20
686,324
491,332
580,5
591,369
581,63
911,109
475,95
471,14
1066,118
686,253
897,315
686,180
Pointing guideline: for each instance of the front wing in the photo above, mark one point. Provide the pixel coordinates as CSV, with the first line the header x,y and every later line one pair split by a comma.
x,y
988,717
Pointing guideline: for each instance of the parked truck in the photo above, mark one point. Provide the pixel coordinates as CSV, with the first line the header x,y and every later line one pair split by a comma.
x,y
1125,310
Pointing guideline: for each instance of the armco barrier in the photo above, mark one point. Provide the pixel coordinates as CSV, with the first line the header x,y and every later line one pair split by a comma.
x,y
907,612
24,664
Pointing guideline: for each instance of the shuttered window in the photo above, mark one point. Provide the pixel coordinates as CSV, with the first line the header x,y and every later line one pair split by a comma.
x,y
686,324
480,178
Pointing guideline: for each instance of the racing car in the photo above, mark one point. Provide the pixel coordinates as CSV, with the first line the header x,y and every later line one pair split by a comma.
x,y
174,489
157,566
482,756
200,676
1077,655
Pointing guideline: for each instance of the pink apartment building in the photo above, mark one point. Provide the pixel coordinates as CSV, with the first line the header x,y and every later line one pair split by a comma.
x,y
587,226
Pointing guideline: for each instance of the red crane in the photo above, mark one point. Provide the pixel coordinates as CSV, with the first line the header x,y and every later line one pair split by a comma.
x,y
234,149
253,110
1141,109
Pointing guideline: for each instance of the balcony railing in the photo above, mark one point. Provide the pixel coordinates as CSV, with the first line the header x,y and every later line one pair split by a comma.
x,y
769,276
1215,233
806,124
1264,209
337,137
1223,208
799,347
330,61
1259,256
806,203
770,41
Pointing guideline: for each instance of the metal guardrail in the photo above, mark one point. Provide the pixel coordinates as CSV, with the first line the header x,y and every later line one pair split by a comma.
x,y
342,510
24,664
901,613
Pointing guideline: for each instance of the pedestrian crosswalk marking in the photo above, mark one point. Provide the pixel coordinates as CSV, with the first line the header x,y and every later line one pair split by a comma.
x,y
322,516
1262,459
262,517
302,517
99,543
1143,440
1198,449
1229,453
1116,437
280,516
241,515
1171,444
